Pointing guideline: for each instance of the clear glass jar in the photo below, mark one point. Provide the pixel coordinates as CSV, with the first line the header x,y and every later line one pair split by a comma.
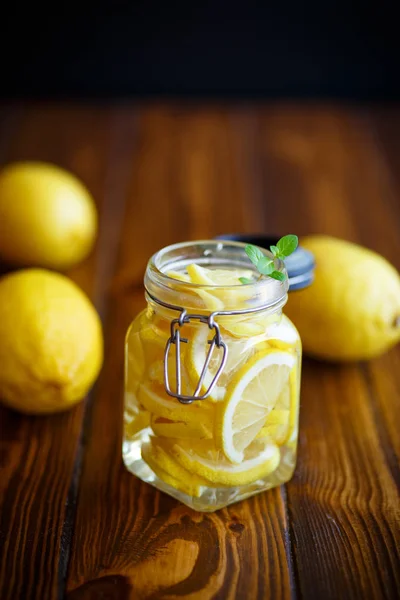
x,y
209,446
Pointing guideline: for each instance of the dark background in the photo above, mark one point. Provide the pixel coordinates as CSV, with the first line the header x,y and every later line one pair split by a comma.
x,y
340,50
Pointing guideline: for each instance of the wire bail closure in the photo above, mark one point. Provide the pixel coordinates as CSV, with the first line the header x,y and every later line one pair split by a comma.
x,y
216,342
176,340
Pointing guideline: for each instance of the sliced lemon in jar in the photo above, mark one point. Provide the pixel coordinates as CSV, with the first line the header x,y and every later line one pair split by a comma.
x,y
238,352
179,276
221,277
283,335
216,299
228,289
245,327
209,299
260,459
276,426
156,374
250,397
282,419
135,417
171,472
181,486
135,363
163,427
154,339
154,399
289,400
133,423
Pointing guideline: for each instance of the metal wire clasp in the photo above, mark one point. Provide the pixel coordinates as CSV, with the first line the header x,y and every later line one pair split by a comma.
x,y
216,342
176,339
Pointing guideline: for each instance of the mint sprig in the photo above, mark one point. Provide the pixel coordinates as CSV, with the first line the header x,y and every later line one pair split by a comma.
x,y
254,253
266,266
286,246
245,280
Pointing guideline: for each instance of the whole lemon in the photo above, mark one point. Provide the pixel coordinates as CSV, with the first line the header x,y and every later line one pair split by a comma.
x,y
47,217
352,310
51,344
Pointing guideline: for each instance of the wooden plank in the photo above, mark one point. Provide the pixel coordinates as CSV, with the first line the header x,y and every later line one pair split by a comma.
x,y
129,539
383,373
384,124
39,454
343,502
195,173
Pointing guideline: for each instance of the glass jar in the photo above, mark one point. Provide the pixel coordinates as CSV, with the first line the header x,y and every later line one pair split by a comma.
x,y
212,377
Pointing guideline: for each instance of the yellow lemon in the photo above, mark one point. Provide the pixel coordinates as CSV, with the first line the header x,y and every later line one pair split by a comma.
x,y
47,217
51,345
352,310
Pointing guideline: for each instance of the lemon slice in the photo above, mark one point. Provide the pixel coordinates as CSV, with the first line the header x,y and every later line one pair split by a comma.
x,y
153,338
171,472
276,426
216,299
154,399
135,417
238,352
219,277
245,326
260,459
134,361
180,429
179,276
181,486
210,301
282,419
289,400
133,423
283,335
249,327
156,374
250,397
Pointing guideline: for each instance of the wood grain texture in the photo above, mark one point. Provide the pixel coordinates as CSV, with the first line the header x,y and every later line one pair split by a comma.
x,y
155,544
39,455
343,500
74,521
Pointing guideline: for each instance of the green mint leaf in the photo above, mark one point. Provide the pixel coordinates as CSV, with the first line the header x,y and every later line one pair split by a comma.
x,y
278,275
265,265
245,280
253,253
275,251
287,244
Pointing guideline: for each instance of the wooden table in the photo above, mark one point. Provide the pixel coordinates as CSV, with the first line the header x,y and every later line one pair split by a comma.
x,y
74,522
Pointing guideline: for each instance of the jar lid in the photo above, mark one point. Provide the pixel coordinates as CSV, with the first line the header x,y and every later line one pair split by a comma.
x,y
299,265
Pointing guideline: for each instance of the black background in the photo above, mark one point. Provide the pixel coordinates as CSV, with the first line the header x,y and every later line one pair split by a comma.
x,y
220,49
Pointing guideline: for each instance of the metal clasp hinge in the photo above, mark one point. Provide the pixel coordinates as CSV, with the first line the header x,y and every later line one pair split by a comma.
x,y
176,339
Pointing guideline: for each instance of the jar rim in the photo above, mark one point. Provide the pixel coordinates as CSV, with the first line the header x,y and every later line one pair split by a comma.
x,y
268,291
157,256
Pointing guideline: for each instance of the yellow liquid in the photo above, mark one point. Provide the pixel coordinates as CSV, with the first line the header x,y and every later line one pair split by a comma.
x,y
177,447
